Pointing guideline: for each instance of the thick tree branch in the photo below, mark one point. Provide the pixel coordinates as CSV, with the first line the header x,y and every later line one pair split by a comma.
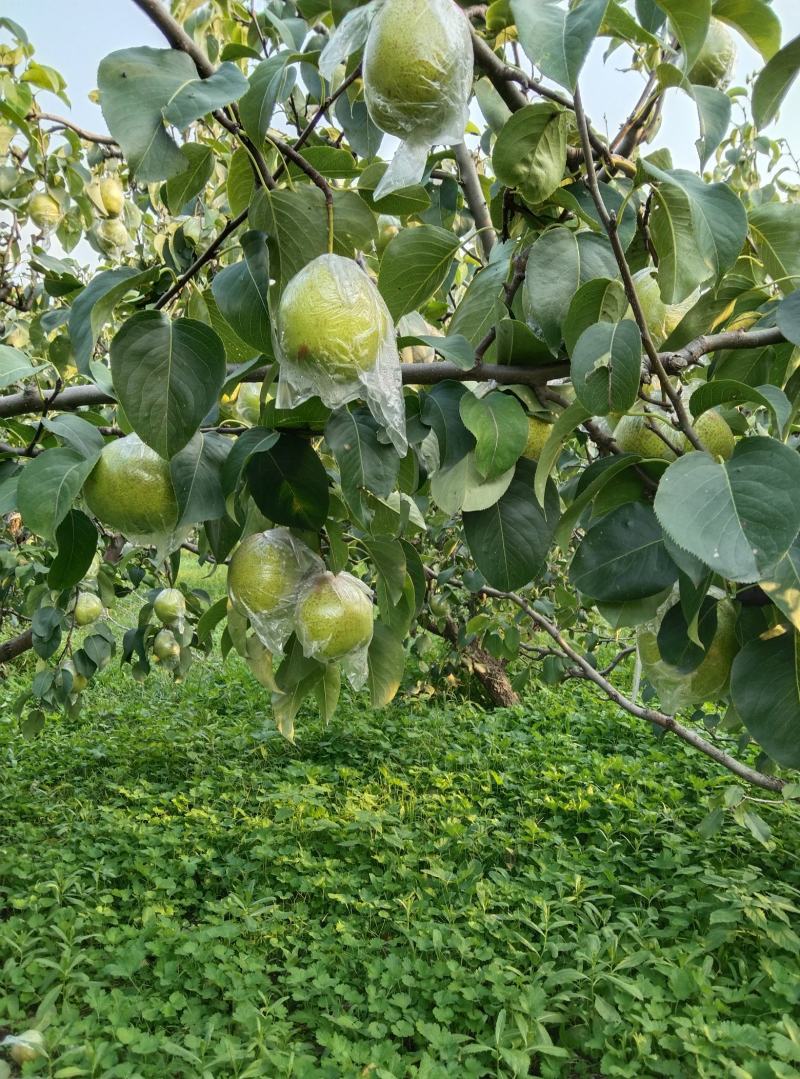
x,y
473,193
715,342
16,646
660,719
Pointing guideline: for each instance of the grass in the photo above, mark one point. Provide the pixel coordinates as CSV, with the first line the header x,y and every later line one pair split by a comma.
x,y
425,891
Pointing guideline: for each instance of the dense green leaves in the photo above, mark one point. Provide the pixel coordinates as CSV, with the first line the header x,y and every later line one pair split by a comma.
x,y
740,517
764,687
558,40
142,89
773,83
289,484
441,410
168,374
242,293
510,540
500,427
414,265
622,557
606,367
531,151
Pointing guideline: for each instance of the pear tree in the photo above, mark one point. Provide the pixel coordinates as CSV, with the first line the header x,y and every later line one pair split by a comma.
x,y
209,311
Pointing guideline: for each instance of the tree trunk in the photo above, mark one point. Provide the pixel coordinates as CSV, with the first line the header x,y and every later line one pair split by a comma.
x,y
490,672
16,646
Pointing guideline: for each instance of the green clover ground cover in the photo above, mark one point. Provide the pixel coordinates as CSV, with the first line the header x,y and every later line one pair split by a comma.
x,y
428,891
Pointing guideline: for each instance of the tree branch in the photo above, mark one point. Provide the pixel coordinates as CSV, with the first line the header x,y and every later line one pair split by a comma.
x,y
175,34
473,193
62,121
200,261
610,225
660,719
16,646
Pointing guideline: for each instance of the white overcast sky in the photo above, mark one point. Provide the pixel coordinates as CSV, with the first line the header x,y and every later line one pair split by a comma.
x,y
73,37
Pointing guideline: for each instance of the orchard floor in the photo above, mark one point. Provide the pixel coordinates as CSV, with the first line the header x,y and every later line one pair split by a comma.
x,y
429,891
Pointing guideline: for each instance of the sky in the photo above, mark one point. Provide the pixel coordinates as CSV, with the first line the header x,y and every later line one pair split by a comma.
x,y
73,38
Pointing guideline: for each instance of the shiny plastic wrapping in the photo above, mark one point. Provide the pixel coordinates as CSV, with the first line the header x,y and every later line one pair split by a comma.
x,y
418,66
265,575
676,689
335,339
130,490
334,622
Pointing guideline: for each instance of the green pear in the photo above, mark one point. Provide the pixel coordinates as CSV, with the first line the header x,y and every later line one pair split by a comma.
x,y
88,608
634,435
169,606
130,490
263,574
334,616
44,211
538,433
714,433
714,66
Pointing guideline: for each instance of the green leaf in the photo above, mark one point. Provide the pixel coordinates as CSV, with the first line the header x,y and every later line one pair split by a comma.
x,y
327,692
408,200
783,584
242,293
606,367
241,182
270,82
454,347
94,306
168,374
755,20
389,559
48,486
555,40
609,468
256,440
441,410
601,300
78,434
552,277
531,151
674,642
776,230
518,346
289,484
196,478
698,230
690,20
500,427
510,541
765,689
365,463
46,626
566,423
414,265
386,660
15,366
142,89
774,81
740,517
462,487
296,223
481,306
76,539
622,557
724,391
198,166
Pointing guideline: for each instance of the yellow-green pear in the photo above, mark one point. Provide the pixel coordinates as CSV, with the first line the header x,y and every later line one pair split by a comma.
x,y
165,646
714,433
88,608
263,573
334,616
661,318
417,60
44,211
112,196
634,435
30,1046
538,433
130,490
169,606
79,681
332,319
714,66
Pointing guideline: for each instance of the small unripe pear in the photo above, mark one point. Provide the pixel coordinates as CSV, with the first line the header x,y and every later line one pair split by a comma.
x,y
88,608
165,647
112,196
538,433
714,433
169,606
44,211
634,435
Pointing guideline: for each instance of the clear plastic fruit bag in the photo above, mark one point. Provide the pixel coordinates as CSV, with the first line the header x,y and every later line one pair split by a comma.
x,y
335,339
265,576
334,622
418,67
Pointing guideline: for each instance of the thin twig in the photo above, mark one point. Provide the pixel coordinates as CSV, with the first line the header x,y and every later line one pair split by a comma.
x,y
473,193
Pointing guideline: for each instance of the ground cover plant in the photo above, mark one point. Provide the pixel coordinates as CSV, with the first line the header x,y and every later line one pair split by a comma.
x,y
435,890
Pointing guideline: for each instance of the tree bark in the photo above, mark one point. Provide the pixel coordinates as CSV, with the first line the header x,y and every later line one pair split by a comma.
x,y
490,672
16,646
